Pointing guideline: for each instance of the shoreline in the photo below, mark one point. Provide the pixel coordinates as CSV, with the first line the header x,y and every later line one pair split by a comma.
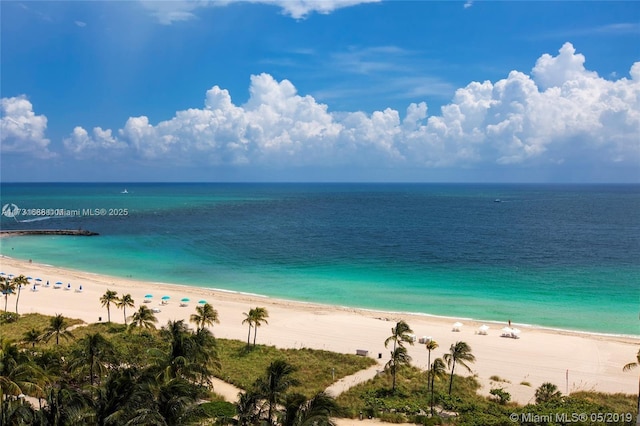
x,y
540,355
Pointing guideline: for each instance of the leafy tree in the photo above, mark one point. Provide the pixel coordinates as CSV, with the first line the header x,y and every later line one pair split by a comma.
x,y
247,408
400,334
107,299
501,395
547,392
437,370
460,353
126,301
628,367
144,318
399,357
57,327
205,315
258,317
248,319
93,353
274,385
32,337
19,282
7,286
317,411
431,345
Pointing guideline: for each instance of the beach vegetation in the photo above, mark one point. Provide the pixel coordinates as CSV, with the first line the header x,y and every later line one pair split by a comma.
x,y
400,334
7,287
205,316
58,327
107,299
143,318
525,383
500,395
255,318
548,392
315,369
19,281
459,353
8,317
124,302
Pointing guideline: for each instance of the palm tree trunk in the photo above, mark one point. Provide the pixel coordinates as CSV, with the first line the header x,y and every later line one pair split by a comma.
x,y
18,298
255,332
249,335
108,313
451,381
431,377
6,299
124,309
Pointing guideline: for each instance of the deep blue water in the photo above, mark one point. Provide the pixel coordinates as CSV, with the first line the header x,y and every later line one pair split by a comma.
x,y
565,256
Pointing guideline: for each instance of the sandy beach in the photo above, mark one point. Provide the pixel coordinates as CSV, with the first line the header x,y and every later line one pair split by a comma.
x,y
591,361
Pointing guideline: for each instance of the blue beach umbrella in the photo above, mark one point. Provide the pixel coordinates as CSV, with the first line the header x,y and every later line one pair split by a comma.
x,y
59,282
166,297
148,296
38,279
29,278
185,299
202,301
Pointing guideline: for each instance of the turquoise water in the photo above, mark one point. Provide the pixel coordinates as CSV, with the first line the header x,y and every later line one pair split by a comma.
x,y
555,256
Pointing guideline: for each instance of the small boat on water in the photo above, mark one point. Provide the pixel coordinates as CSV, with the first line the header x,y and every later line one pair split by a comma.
x,y
125,191
497,200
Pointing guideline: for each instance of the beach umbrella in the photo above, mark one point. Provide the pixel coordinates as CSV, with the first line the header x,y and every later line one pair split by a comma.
x,y
202,301
166,297
38,279
29,278
185,299
2,273
484,327
59,282
148,296
507,329
515,331
10,275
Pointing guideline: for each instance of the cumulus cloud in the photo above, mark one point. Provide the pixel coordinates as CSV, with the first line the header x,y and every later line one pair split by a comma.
x,y
168,12
22,131
560,113
82,145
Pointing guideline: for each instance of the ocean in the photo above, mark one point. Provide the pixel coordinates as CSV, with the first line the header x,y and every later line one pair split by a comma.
x,y
557,256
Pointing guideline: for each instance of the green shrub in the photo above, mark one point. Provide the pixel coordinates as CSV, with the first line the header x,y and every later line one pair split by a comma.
x,y
8,317
393,417
500,395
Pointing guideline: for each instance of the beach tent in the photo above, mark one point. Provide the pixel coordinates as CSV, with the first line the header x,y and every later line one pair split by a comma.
x,y
456,326
483,329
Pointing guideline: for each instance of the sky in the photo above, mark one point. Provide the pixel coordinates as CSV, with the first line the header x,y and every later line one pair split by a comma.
x,y
329,90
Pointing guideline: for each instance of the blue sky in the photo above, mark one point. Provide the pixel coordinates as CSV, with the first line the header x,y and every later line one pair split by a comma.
x,y
328,90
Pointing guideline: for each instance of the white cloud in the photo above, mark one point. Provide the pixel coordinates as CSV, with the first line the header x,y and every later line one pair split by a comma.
x,y
564,113
81,145
559,114
22,131
168,12
80,24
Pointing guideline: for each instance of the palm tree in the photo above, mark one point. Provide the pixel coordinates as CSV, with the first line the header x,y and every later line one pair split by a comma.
x,y
20,281
18,374
205,315
32,336
431,346
125,301
93,352
399,336
316,411
399,357
143,318
547,392
460,353
629,367
259,316
273,386
437,370
247,409
7,286
107,299
57,327
248,319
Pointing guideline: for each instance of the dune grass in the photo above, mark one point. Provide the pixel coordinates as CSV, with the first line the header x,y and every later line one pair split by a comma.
x,y
316,369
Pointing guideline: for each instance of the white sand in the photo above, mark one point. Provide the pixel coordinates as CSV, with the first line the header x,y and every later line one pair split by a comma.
x,y
594,362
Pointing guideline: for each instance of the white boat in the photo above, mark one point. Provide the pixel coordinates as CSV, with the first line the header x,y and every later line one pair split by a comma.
x,y
125,191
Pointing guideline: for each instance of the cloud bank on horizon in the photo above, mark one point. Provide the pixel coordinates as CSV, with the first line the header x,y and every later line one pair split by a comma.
x,y
558,113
